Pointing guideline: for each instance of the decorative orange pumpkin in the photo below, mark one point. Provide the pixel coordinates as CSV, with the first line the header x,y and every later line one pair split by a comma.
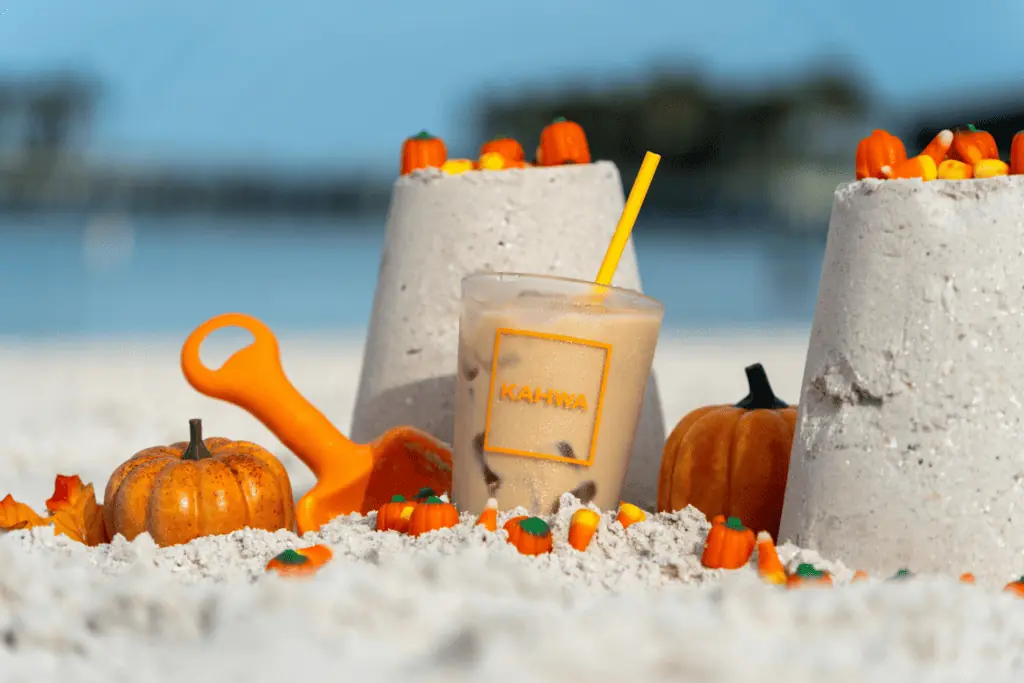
x,y
807,574
432,514
530,535
732,460
301,562
423,150
1017,154
879,149
186,490
508,148
563,142
971,145
395,516
729,544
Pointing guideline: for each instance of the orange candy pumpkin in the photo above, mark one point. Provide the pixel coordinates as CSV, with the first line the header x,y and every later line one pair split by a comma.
x,y
1017,154
395,516
1015,587
807,574
879,149
204,487
508,148
301,562
971,145
423,150
530,535
432,514
563,142
732,459
729,544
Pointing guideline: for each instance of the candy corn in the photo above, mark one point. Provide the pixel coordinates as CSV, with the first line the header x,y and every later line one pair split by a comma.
x,y
488,519
582,528
629,514
939,146
769,566
951,169
457,166
922,166
491,161
991,168
859,575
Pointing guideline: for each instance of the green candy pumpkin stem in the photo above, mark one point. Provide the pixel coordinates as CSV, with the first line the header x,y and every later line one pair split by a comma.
x,y
423,135
291,557
535,526
761,396
196,450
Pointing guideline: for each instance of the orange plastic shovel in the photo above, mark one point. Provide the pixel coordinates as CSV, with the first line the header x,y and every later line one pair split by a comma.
x,y
350,477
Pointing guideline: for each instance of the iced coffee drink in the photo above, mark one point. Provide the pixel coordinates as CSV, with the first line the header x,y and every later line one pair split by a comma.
x,y
550,386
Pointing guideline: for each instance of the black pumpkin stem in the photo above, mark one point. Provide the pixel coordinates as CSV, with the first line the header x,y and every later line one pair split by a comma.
x,y
761,396
196,450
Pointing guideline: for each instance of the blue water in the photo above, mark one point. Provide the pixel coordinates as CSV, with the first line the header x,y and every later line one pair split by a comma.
x,y
63,275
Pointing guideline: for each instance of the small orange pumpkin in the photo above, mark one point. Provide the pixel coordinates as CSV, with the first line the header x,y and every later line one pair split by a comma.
x,y
1015,587
204,487
807,574
563,142
423,150
394,516
507,147
879,149
432,514
1017,154
530,535
729,544
732,459
971,145
301,562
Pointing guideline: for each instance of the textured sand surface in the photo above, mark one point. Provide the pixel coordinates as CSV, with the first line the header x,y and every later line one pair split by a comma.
x,y
908,448
457,605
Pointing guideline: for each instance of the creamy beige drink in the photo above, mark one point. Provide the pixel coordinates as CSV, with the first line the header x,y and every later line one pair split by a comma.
x,y
550,385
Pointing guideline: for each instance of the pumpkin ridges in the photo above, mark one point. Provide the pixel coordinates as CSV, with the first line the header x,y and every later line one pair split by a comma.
x,y
177,488
131,500
253,479
220,488
118,478
759,468
705,459
273,465
668,464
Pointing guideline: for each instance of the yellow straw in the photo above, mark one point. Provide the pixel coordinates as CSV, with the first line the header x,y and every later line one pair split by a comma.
x,y
628,218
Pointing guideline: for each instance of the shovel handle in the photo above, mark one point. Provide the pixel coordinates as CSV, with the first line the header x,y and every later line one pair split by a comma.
x,y
253,379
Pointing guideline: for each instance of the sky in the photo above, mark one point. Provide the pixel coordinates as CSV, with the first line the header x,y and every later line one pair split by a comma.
x,y
331,83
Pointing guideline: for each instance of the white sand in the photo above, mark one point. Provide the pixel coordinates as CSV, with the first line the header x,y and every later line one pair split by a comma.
x,y
454,606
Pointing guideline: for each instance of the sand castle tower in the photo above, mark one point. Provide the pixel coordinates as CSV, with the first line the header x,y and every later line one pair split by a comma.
x,y
910,441
555,220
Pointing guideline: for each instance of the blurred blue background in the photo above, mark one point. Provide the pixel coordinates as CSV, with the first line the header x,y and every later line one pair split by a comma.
x,y
161,163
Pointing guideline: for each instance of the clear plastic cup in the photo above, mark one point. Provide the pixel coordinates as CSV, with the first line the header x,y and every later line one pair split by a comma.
x,y
551,380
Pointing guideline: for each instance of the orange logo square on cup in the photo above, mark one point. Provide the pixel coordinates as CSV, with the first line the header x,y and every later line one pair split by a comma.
x,y
548,407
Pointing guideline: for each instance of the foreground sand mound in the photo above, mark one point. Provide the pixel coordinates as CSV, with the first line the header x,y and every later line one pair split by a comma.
x,y
462,605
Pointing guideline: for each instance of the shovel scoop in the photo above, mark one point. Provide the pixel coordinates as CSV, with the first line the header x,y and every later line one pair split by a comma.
x,y
350,477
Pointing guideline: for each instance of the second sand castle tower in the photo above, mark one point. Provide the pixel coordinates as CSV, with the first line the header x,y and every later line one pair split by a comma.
x,y
551,220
